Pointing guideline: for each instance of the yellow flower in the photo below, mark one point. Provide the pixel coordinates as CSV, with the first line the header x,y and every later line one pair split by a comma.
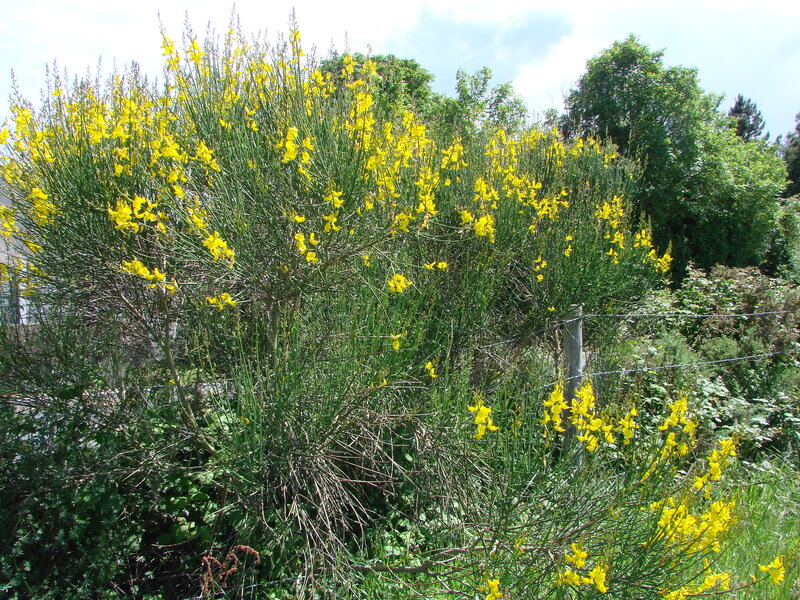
x,y
330,222
218,248
396,340
597,576
569,578
136,267
221,301
300,239
482,419
484,227
398,283
776,570
431,370
122,216
334,197
578,556
43,209
492,588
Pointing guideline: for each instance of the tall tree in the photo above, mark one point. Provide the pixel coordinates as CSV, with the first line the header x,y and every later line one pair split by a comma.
x,y
700,187
479,106
791,155
749,120
403,83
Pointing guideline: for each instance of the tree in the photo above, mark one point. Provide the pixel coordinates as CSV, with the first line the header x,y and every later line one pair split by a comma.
x,y
733,206
478,106
403,82
749,120
698,185
791,156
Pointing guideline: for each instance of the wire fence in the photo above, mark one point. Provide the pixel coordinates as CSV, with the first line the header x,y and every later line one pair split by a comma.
x,y
652,368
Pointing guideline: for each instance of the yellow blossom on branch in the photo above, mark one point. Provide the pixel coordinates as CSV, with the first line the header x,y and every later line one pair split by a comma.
x,y
483,421
218,248
396,340
431,370
492,589
221,301
484,227
398,283
776,570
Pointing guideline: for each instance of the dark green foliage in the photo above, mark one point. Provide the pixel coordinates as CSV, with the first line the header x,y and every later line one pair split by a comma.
x,y
711,194
749,120
403,82
791,155
754,400
478,106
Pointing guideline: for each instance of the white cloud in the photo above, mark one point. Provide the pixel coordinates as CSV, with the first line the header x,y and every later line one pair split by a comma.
x,y
736,47
78,33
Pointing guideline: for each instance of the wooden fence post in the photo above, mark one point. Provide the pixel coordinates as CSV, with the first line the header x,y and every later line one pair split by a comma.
x,y
573,352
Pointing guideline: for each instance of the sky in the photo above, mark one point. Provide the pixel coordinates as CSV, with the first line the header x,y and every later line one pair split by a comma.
x,y
540,47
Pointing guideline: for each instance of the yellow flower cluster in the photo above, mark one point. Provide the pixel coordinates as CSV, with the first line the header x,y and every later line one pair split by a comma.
x,y
596,577
431,370
218,248
303,249
718,459
692,532
205,156
680,435
43,210
8,225
441,265
132,216
591,426
299,153
554,406
492,589
398,283
721,581
396,337
221,301
587,422
483,420
776,570
137,267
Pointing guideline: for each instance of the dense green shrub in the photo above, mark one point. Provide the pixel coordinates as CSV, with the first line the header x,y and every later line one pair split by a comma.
x,y
288,346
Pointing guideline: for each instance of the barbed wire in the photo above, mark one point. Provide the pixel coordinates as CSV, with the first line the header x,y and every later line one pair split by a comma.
x,y
684,365
662,368
686,315
563,322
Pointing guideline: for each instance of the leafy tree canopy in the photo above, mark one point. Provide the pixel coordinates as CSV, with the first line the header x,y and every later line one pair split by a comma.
x,y
713,196
791,155
403,82
477,105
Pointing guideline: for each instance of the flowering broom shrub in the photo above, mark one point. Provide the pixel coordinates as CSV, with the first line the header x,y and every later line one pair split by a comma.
x,y
298,287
